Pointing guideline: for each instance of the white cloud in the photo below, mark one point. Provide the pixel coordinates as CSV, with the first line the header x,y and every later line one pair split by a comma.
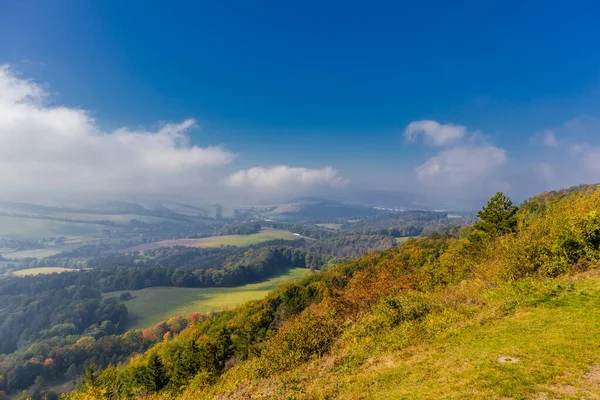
x,y
460,166
468,165
282,180
434,133
55,150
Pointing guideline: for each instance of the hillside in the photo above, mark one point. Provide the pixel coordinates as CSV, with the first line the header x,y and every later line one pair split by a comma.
x,y
547,347
507,308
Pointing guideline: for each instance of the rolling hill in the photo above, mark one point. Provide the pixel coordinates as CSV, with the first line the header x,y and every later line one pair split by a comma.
x,y
504,309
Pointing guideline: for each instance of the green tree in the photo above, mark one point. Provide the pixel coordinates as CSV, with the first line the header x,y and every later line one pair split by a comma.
x,y
91,375
158,375
498,217
187,362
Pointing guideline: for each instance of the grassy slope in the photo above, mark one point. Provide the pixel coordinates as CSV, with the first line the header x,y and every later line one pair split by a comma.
x,y
117,218
217,241
554,334
152,305
33,228
47,251
557,343
246,240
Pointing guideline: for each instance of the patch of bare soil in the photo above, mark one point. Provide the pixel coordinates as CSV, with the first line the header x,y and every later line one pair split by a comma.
x,y
588,388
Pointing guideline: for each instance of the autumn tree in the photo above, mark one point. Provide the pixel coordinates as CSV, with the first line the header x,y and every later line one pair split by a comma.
x,y
195,317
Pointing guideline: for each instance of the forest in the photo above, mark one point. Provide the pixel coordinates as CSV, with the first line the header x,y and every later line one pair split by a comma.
x,y
48,316
52,327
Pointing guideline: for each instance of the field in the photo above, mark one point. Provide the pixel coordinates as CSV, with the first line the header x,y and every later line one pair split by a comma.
x,y
246,240
152,305
216,241
48,251
117,218
335,227
212,210
38,271
34,228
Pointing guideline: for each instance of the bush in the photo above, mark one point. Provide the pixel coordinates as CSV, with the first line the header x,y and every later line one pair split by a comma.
x,y
309,335
396,308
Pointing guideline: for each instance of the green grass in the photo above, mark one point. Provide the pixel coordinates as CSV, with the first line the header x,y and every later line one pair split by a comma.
x,y
153,305
335,227
285,208
217,241
246,240
38,271
557,344
34,228
550,328
46,251
117,218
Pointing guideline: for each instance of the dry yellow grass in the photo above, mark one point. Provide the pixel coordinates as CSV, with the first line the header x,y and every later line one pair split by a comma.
x,y
38,271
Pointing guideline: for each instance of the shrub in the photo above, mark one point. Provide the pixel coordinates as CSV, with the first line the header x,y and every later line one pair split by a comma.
x,y
396,308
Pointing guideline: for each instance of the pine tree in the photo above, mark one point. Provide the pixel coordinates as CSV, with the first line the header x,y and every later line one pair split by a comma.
x,y
188,361
498,217
91,375
158,375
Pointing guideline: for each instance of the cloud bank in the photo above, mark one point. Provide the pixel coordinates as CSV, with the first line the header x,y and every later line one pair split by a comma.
x,y
52,151
57,151
286,181
467,166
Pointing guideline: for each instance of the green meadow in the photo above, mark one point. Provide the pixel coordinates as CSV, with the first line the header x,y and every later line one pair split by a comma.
x,y
246,240
46,251
36,228
152,305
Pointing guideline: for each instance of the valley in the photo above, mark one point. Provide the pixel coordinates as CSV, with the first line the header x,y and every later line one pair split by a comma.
x,y
127,276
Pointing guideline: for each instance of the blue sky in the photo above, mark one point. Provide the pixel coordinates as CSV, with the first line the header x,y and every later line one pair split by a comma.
x,y
313,84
